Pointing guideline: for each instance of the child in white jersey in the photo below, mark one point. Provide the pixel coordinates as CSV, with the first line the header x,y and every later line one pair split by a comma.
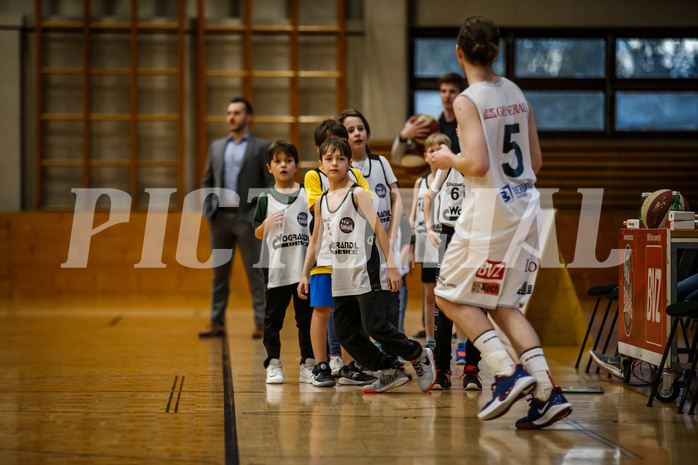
x,y
345,213
322,332
497,232
422,251
281,220
445,194
386,198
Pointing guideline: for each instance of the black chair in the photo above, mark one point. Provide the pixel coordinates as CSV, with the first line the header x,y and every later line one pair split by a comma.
x,y
610,292
678,311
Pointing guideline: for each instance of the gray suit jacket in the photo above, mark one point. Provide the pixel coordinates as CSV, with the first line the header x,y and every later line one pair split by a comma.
x,y
253,175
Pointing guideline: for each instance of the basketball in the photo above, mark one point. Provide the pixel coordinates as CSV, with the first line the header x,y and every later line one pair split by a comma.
x,y
414,165
431,124
655,208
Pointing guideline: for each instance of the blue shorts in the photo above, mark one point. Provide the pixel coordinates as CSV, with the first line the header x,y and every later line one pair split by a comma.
x,y
321,290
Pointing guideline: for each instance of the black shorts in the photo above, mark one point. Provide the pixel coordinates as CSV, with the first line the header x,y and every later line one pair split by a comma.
x,y
430,271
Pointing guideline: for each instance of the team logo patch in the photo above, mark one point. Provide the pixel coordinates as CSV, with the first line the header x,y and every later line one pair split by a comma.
x,y
525,289
485,288
381,191
346,225
491,270
303,219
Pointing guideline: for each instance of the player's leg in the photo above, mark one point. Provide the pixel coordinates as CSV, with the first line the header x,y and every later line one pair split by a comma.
x,y
548,405
511,381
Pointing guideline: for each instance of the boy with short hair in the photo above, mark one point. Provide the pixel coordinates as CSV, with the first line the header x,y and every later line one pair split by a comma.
x,y
346,215
281,220
341,364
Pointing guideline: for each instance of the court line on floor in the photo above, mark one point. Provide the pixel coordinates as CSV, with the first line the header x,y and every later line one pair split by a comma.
x,y
605,441
232,451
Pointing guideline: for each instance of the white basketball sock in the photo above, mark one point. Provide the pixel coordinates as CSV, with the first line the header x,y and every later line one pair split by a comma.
x,y
535,364
494,353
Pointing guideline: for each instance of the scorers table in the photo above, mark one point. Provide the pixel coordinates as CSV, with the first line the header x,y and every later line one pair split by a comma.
x,y
647,284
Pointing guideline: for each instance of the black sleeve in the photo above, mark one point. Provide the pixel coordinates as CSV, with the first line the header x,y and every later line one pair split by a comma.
x,y
260,214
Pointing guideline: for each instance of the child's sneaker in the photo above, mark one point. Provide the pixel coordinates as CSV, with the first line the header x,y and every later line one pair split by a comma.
x,y
471,378
306,375
460,354
545,413
426,372
275,373
336,364
506,391
443,379
322,375
352,375
390,379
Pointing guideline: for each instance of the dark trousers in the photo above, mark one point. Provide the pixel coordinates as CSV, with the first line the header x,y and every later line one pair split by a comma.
x,y
391,303
278,299
444,329
367,311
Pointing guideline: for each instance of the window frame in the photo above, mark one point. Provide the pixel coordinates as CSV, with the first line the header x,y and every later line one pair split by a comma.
x,y
609,85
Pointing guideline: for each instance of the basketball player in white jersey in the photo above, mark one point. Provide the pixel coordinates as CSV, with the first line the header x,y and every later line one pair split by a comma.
x,y
496,234
345,213
386,198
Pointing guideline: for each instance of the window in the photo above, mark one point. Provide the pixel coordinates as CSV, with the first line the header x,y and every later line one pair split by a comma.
x,y
595,83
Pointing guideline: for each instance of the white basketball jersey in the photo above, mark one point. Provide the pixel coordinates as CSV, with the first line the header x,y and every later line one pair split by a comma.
x,y
350,243
424,252
494,204
450,190
374,172
324,257
287,242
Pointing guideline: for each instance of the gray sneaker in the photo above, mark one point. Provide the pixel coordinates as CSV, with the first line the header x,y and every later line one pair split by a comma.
x,y
351,374
390,379
609,363
426,372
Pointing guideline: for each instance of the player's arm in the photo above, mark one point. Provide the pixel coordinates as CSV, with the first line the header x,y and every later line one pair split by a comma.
x,y
311,254
534,143
365,205
260,216
429,219
475,161
396,208
415,199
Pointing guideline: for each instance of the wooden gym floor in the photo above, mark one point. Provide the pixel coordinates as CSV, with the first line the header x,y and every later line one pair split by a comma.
x,y
130,383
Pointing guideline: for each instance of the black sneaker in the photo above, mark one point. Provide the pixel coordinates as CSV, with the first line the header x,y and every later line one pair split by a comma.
x,y
443,379
322,375
471,378
351,374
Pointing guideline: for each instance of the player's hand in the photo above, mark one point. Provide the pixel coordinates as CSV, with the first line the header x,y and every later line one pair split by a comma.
x,y
303,287
394,280
442,158
434,238
414,129
411,262
275,218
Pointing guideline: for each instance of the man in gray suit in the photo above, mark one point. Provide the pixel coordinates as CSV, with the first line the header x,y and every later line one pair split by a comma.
x,y
236,163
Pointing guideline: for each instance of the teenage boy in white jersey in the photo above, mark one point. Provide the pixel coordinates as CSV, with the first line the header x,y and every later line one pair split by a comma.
x,y
497,232
345,213
281,220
